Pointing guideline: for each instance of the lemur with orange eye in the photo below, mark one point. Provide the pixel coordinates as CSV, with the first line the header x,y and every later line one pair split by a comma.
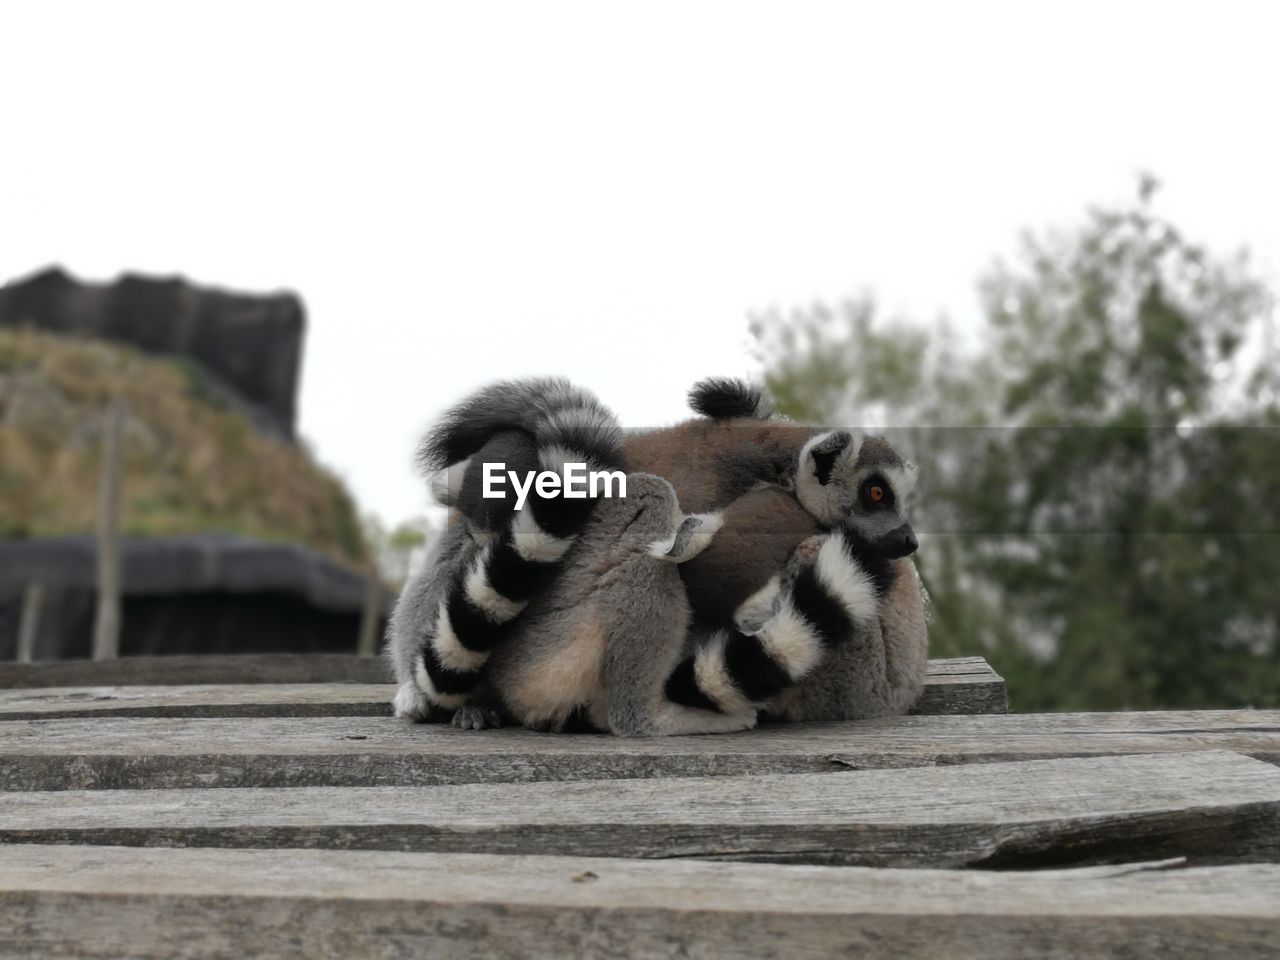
x,y
637,618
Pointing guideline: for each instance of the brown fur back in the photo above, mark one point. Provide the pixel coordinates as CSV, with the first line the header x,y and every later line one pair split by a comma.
x,y
761,529
711,463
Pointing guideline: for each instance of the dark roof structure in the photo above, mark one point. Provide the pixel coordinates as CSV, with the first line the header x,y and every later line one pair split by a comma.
x,y
249,345
203,563
203,594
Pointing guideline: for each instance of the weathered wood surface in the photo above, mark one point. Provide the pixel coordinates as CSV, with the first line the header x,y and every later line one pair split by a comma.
x,y
147,752
961,685
209,700
78,901
1211,806
168,671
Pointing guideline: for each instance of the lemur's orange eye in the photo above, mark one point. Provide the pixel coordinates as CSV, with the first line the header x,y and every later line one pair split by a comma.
x,y
876,493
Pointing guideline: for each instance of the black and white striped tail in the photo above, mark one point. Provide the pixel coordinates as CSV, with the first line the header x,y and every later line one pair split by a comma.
x,y
566,422
735,671
567,425
490,591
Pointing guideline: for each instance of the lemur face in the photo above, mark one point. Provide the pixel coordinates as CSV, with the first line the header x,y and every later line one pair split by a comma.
x,y
860,484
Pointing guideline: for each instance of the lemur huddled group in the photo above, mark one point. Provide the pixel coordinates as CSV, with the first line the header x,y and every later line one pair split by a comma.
x,y
755,568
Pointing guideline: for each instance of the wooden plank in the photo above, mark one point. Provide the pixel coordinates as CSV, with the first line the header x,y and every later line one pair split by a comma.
x,y
168,671
964,685
77,901
209,700
979,692
1212,806
150,752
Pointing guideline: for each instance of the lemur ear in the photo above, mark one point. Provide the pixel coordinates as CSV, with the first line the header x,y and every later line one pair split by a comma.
x,y
825,452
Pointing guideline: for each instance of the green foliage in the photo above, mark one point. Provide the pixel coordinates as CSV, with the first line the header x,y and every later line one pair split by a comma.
x,y
1102,480
191,464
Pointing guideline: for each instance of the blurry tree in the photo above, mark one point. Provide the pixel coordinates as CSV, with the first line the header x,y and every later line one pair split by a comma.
x,y
1101,476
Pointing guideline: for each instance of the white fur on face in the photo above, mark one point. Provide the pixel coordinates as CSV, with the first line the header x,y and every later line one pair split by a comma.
x,y
901,479
846,580
489,601
535,544
423,679
449,648
816,497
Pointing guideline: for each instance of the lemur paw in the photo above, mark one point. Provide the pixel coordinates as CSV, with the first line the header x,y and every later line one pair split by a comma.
x,y
694,535
471,717
411,703
805,554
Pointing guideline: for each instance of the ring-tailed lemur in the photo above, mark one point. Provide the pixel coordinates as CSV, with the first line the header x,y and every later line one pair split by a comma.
x,y
482,581
786,483
727,672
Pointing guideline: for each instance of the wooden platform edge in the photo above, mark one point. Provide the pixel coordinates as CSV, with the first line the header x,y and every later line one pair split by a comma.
x,y
80,901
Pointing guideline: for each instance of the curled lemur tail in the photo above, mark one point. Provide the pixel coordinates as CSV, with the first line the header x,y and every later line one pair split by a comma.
x,y
722,398
826,602
556,423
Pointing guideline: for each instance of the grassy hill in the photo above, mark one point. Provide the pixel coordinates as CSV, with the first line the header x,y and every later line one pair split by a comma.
x,y
191,463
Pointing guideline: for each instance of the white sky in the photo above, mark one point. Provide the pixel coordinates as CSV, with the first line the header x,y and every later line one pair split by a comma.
x,y
469,191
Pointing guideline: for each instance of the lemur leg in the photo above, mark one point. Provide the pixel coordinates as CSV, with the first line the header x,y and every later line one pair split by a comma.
x,y
824,601
643,610
646,617
415,617
880,673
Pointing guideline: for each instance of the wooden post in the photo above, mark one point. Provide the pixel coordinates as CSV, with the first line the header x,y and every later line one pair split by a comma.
x,y
106,629
29,622
371,616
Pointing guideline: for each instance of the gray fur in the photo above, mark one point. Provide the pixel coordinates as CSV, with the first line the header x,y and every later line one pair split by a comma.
x,y
606,635
881,673
414,617
602,640
516,451
519,426
557,413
